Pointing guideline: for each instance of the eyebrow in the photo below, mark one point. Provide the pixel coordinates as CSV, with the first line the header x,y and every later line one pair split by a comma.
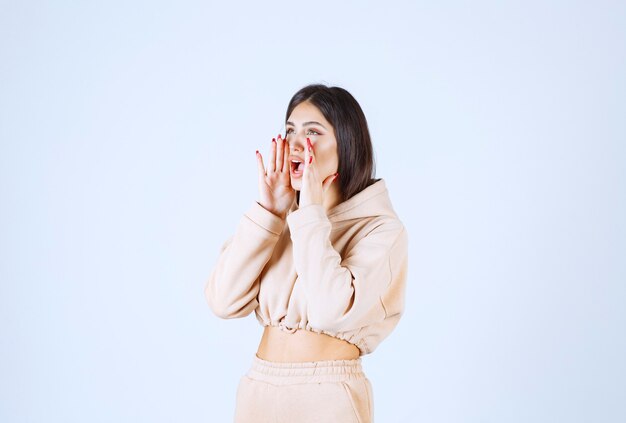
x,y
308,123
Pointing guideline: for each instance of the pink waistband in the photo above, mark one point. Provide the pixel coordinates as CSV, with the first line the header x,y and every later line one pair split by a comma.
x,y
286,373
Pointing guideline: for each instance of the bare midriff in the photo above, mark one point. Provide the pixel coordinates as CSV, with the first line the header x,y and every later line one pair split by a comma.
x,y
303,345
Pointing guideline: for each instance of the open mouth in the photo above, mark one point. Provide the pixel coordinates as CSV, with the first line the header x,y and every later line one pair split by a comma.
x,y
296,166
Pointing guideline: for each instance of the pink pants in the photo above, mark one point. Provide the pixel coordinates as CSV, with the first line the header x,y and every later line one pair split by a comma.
x,y
305,392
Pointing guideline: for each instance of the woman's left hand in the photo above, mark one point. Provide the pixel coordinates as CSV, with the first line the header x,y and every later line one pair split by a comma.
x,y
313,189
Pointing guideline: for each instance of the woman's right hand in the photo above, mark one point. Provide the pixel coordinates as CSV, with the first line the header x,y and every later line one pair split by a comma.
x,y
276,193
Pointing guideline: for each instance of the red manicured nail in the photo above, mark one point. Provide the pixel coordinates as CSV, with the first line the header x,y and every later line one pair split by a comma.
x,y
257,152
273,139
310,159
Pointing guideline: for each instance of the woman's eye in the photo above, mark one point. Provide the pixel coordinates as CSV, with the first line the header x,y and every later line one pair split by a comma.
x,y
313,130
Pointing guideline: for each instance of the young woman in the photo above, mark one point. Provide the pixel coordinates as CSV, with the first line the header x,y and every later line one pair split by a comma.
x,y
321,258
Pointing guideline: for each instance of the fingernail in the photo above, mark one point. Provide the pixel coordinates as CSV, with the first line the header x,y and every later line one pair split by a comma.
x,y
257,152
273,139
310,159
279,137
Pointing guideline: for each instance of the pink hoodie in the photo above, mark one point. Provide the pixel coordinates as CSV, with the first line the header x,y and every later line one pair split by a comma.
x,y
343,273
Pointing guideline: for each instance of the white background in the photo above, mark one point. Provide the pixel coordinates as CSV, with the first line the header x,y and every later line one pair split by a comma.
x,y
128,136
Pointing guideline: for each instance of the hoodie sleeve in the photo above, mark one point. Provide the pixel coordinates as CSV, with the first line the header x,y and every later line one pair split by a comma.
x,y
233,284
344,294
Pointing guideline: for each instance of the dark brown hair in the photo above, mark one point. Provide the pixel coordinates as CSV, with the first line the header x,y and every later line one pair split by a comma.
x,y
357,168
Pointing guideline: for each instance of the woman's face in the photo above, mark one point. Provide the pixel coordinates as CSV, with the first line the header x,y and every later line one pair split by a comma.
x,y
306,121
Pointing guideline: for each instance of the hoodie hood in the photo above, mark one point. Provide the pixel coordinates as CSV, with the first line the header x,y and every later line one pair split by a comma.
x,y
371,201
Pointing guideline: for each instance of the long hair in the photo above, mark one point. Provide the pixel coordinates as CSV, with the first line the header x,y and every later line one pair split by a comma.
x,y
357,168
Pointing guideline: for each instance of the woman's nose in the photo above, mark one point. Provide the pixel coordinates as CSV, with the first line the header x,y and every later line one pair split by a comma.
x,y
297,142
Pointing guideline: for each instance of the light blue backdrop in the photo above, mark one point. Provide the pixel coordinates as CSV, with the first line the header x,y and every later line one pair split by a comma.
x,y
128,135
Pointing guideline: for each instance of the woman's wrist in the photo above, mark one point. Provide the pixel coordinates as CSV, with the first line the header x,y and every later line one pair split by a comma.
x,y
274,212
